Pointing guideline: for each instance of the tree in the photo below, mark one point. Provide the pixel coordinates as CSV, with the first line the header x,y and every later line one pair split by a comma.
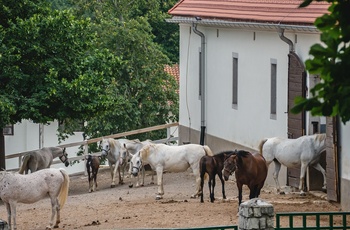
x,y
76,65
49,68
331,61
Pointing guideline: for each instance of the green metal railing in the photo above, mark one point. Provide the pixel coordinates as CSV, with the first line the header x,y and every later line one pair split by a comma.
x,y
333,220
235,227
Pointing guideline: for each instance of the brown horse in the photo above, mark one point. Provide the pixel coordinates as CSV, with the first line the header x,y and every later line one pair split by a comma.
x,y
250,169
92,166
213,165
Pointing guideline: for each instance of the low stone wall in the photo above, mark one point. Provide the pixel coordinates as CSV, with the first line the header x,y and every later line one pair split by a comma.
x,y
256,214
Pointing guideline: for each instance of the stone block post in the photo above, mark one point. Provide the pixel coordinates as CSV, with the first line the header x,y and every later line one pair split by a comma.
x,y
256,214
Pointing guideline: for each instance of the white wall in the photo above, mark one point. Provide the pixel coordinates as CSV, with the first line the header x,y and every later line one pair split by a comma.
x,y
26,138
250,122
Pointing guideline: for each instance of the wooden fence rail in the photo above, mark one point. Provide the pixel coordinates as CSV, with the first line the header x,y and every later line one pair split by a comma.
x,y
86,143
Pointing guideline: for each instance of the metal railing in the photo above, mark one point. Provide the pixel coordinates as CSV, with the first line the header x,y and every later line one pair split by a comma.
x,y
314,220
235,227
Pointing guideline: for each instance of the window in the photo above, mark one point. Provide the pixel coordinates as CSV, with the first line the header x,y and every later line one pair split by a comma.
x,y
234,80
273,95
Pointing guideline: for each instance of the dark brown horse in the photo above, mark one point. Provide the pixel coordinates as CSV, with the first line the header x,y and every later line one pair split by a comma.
x,y
92,166
250,169
213,165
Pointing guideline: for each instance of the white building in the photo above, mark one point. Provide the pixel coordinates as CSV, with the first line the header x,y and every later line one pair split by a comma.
x,y
241,66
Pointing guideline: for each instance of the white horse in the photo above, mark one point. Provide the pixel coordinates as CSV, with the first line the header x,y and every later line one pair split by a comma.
x,y
132,147
113,150
17,188
163,157
301,152
42,158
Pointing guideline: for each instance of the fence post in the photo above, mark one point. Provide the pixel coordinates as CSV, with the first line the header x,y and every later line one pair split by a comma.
x,y
86,152
256,214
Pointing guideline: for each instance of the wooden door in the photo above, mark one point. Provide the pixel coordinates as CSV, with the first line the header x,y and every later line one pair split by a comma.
x,y
296,122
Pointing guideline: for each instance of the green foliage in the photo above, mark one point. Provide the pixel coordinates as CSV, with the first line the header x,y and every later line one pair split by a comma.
x,y
331,61
77,61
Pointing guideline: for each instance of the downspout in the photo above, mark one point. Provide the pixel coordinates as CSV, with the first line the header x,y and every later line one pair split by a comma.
x,y
202,78
286,40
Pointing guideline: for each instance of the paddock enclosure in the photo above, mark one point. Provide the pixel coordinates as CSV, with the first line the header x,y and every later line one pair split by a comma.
x,y
123,207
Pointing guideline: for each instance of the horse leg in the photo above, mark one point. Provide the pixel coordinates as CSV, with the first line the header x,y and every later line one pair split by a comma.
x,y
143,176
253,191
210,189
239,186
89,179
275,176
113,173
302,177
160,183
54,209
196,173
212,198
8,208
94,176
320,168
120,178
222,184
152,177
202,184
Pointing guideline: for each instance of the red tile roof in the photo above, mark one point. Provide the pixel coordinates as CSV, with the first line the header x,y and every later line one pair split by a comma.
x,y
173,71
272,11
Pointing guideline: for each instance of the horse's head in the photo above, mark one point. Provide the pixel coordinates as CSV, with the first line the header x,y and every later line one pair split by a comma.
x,y
135,164
105,147
64,157
125,155
230,166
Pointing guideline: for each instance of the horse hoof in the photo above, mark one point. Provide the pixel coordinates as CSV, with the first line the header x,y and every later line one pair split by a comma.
x,y
131,185
302,194
159,197
282,193
112,185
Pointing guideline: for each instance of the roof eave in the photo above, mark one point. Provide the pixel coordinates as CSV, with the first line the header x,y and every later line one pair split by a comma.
x,y
243,24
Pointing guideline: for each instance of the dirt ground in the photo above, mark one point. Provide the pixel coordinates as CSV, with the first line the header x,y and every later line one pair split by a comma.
x,y
136,208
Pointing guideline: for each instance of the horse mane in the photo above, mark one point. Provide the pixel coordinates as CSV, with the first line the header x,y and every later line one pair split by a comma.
x,y
320,137
226,152
145,150
240,154
114,143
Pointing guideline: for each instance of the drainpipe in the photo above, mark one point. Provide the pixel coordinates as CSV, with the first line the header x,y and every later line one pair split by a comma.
x,y
285,39
202,78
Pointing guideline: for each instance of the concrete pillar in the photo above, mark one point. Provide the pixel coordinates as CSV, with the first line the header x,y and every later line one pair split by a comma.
x,y
256,214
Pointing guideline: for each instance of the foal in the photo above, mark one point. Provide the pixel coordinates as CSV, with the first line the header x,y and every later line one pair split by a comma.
x,y
213,165
250,169
92,166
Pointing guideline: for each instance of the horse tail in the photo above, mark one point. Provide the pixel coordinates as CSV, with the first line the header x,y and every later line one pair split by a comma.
x,y
62,196
208,151
203,168
262,142
24,165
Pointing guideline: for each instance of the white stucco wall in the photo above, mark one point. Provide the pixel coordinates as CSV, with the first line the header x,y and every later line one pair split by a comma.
x,y
345,151
251,121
